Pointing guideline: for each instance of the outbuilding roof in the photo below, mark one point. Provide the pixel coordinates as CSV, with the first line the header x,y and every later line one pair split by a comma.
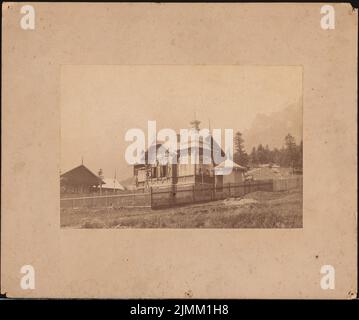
x,y
80,176
111,183
228,163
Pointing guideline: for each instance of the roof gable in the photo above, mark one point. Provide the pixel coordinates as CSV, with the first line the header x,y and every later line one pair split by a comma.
x,y
80,176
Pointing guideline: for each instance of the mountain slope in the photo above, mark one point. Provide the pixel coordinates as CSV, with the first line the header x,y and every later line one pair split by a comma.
x,y
272,128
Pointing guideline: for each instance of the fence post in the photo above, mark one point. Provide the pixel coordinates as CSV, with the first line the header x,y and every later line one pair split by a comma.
x,y
173,194
151,197
229,189
194,193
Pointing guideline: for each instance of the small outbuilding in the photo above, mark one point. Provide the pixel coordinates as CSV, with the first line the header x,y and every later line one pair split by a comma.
x,y
229,172
80,180
111,184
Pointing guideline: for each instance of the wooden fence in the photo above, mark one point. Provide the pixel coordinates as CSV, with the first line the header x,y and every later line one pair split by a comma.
x,y
288,183
129,200
178,195
204,193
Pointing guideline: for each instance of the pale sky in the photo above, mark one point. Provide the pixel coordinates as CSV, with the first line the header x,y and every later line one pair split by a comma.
x,y
100,103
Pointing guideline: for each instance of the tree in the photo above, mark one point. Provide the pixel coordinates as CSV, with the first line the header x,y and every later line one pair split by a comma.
x,y
290,150
299,155
289,155
276,156
240,155
261,154
267,155
253,156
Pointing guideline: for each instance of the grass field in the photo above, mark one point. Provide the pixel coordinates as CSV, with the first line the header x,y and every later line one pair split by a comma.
x,y
259,209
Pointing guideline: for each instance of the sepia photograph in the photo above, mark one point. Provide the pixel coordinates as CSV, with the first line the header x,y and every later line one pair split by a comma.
x,y
243,124
184,152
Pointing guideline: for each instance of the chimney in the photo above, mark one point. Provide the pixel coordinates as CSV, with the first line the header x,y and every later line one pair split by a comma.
x,y
195,124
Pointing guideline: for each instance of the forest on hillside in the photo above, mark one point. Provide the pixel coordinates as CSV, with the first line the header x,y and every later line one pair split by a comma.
x,y
289,155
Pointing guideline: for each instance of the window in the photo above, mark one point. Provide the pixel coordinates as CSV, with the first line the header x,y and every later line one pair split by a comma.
x,y
153,172
163,171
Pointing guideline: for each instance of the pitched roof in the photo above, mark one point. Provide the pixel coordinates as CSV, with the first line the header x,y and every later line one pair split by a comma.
x,y
111,183
80,176
228,163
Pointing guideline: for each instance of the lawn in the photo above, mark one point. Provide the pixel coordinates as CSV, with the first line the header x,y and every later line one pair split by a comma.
x,y
259,209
